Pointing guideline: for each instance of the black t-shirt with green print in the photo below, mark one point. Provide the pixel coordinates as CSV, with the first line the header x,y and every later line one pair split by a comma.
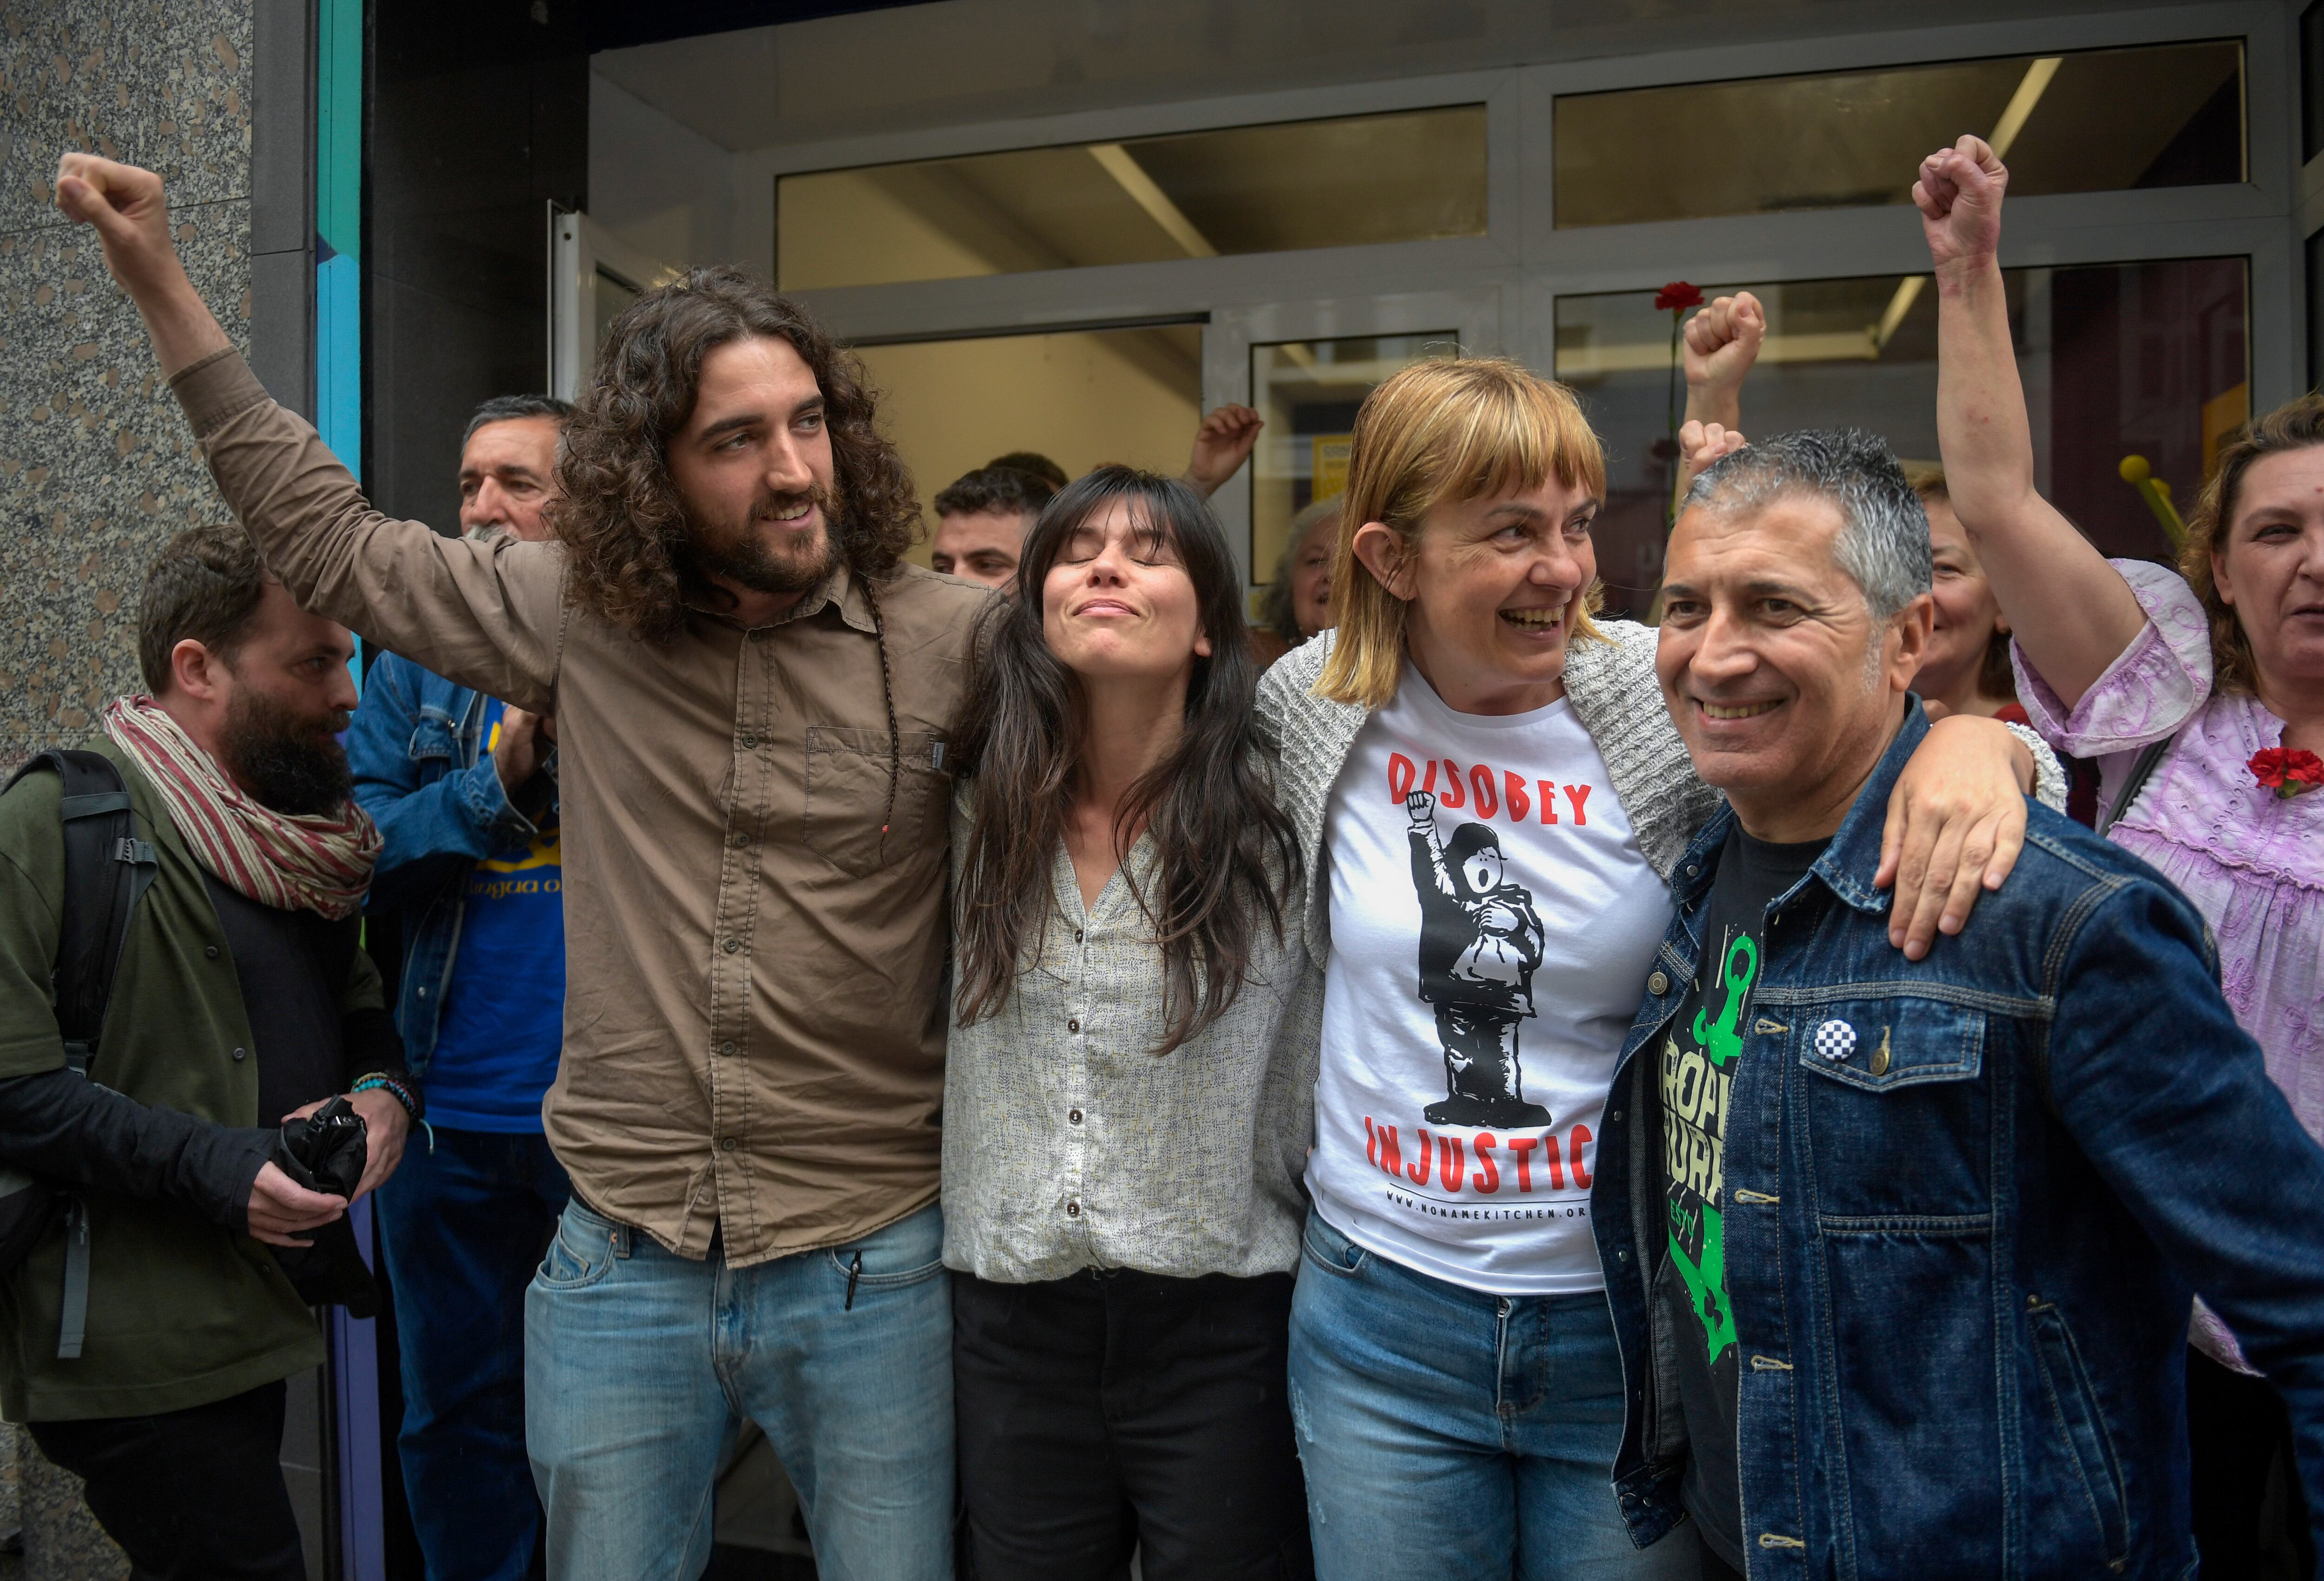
x,y
1698,1056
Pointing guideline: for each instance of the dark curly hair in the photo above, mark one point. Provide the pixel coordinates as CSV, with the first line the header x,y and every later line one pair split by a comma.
x,y
620,516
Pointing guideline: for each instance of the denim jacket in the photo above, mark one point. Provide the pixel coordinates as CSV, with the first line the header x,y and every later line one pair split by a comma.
x,y
1960,1245
420,771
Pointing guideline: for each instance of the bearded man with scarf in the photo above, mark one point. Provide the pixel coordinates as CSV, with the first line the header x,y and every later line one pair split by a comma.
x,y
241,1001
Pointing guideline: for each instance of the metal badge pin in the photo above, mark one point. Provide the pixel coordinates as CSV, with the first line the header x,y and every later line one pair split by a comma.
x,y
1835,1039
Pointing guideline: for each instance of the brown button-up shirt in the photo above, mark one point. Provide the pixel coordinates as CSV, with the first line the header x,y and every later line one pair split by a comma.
x,y
754,1030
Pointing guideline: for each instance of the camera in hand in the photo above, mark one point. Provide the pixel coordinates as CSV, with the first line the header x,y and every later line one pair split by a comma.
x,y
325,1152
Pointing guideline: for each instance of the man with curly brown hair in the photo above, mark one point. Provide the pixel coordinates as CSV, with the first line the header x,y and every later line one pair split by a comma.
x,y
752,699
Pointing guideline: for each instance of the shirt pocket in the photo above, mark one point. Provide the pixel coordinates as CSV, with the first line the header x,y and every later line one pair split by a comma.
x,y
847,795
435,746
1896,1112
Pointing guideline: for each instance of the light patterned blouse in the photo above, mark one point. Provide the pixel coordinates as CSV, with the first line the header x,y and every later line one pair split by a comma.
x,y
2251,861
1069,1145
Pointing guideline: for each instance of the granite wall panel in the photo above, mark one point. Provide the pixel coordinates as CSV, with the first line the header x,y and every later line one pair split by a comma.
x,y
97,467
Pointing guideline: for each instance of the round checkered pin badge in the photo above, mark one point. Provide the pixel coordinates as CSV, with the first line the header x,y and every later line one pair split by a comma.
x,y
1835,1039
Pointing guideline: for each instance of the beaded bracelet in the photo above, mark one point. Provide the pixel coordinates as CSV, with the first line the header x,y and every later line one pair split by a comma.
x,y
379,1081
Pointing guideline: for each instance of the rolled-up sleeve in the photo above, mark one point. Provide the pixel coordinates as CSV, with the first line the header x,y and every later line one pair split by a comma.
x,y
2150,690
491,617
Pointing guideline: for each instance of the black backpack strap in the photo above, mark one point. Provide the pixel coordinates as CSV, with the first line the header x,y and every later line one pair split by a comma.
x,y
2142,769
107,870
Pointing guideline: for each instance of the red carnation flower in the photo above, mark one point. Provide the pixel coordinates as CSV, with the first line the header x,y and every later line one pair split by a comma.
x,y
2286,771
1677,296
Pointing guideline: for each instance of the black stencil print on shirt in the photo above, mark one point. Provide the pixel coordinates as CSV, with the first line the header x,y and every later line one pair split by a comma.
x,y
1480,940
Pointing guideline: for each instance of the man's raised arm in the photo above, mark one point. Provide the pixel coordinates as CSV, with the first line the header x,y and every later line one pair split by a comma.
x,y
488,620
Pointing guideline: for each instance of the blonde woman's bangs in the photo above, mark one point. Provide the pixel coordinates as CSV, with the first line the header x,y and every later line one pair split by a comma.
x,y
1432,433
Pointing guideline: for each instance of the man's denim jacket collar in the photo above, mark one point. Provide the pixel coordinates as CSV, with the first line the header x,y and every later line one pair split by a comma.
x,y
1849,864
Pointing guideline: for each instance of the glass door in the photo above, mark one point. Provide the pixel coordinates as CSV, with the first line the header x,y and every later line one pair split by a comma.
x,y
1306,367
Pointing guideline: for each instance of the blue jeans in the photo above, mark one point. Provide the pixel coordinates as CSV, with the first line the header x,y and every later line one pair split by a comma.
x,y
1446,1431
462,1222
638,1365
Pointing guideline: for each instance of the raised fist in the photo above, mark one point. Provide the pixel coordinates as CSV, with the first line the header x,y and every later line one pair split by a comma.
x,y
1421,806
1723,340
131,216
1959,196
1703,443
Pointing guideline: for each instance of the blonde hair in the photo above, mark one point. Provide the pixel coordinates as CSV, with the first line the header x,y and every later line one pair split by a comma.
x,y
1436,432
2296,424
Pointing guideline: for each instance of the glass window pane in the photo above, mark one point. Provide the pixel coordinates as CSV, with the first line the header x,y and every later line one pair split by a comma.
x,y
2160,115
1309,391
1081,398
1406,177
2143,359
610,295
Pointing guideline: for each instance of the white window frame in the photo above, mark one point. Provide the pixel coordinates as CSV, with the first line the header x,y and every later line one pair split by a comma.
x,y
1524,263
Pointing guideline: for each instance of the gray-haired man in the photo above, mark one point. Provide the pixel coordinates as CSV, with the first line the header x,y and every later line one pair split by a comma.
x,y
1944,1214
464,789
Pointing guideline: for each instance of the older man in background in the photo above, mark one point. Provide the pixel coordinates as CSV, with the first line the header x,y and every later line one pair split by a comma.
x,y
464,789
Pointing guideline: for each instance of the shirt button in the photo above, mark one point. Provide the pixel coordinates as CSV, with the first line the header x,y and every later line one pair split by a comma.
x,y
727,1048
726,1143
241,1053
1073,1210
1658,984
732,945
1073,1025
1693,868
750,743
211,950
738,839
423,993
1078,938
1073,1117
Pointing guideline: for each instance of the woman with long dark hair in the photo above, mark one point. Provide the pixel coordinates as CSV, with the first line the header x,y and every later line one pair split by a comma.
x,y
1129,1085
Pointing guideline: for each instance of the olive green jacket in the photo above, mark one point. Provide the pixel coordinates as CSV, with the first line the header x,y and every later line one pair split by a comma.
x,y
181,1312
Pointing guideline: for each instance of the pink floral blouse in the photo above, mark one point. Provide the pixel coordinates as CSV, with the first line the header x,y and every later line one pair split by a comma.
x,y
2252,862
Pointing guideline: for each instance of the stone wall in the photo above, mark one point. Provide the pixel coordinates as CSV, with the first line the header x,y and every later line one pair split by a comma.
x,y
97,468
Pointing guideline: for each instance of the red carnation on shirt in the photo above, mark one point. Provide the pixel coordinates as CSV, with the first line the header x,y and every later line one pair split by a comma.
x,y
2287,770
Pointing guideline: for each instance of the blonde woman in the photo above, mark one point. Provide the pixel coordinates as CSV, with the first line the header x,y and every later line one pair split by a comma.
x,y
1490,795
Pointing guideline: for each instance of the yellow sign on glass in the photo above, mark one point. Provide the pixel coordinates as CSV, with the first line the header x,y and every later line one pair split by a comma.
x,y
1329,467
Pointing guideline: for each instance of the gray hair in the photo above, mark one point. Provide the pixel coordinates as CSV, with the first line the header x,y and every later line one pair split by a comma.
x,y
1884,535
501,409
1277,613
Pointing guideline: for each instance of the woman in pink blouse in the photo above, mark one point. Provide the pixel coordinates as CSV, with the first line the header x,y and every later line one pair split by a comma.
x,y
2212,665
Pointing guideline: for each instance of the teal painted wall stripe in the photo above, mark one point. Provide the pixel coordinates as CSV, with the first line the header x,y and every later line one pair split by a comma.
x,y
339,419
339,124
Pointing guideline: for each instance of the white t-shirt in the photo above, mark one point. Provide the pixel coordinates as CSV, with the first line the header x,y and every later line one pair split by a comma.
x,y
1489,946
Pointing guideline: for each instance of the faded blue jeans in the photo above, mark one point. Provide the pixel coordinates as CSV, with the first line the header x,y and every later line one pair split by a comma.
x,y
1449,1432
640,1363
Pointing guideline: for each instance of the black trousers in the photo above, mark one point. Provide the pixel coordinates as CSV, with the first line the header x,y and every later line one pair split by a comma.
x,y
2250,1515
189,1496
1113,1409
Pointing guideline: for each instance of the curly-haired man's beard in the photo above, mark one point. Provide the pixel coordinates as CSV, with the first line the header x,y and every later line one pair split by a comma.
x,y
286,761
743,555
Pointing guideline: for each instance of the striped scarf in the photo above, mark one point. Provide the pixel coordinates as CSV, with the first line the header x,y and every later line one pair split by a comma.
x,y
307,862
